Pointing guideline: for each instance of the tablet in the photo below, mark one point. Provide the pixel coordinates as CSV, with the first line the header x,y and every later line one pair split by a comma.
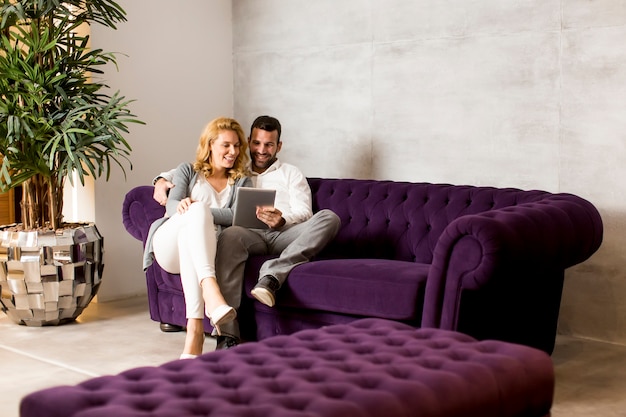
x,y
244,213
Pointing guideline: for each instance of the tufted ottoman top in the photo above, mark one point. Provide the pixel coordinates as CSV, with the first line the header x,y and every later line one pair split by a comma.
x,y
370,367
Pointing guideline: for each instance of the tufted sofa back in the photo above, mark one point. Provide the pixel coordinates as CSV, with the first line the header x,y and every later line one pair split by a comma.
x,y
380,218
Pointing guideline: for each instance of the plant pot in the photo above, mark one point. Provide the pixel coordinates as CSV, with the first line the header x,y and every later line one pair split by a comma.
x,y
49,277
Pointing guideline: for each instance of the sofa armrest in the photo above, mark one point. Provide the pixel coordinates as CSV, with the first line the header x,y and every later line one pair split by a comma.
x,y
139,210
516,246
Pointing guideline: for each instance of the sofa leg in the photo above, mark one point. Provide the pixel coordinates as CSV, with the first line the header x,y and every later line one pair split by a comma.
x,y
167,328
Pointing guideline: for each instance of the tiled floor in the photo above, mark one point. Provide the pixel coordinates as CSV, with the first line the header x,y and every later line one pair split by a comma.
x,y
111,337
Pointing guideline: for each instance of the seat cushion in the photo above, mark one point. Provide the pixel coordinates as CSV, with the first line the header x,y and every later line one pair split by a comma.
x,y
357,287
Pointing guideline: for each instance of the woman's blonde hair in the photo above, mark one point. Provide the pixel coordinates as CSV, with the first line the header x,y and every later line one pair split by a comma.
x,y
204,163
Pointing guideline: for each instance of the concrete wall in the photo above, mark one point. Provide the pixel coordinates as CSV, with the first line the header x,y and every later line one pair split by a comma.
x,y
178,67
528,94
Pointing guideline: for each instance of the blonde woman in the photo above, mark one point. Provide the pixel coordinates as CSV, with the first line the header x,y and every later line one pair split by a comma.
x,y
199,206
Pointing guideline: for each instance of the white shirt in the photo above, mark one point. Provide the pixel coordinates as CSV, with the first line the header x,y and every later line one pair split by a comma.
x,y
293,194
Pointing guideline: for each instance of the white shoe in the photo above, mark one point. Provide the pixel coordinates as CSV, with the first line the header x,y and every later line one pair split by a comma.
x,y
222,314
187,356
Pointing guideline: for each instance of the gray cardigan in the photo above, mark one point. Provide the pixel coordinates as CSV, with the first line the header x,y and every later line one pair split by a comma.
x,y
184,179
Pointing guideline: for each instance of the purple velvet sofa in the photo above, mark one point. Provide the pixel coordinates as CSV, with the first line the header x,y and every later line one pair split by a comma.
x,y
485,261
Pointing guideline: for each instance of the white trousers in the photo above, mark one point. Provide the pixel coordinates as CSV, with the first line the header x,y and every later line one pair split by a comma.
x,y
186,245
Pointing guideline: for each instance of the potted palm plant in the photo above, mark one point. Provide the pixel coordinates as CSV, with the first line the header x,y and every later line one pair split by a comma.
x,y
57,121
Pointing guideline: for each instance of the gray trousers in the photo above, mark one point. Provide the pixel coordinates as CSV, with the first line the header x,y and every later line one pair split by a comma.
x,y
296,245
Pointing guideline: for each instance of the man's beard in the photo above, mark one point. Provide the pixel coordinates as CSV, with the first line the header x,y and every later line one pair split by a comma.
x,y
264,165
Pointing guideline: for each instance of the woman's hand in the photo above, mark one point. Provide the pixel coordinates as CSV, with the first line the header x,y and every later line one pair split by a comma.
x,y
183,206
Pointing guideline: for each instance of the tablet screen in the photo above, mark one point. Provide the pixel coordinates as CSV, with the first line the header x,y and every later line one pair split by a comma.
x,y
244,213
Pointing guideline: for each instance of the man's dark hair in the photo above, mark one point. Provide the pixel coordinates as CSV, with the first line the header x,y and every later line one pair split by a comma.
x,y
267,123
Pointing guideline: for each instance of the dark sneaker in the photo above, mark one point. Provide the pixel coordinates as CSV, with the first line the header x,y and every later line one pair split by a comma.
x,y
226,342
265,290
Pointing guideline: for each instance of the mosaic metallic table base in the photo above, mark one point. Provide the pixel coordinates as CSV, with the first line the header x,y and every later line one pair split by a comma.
x,y
48,278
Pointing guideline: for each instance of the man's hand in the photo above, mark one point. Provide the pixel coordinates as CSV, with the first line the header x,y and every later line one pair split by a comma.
x,y
161,188
271,216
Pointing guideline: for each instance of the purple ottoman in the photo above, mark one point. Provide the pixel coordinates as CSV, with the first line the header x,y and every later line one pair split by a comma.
x,y
370,367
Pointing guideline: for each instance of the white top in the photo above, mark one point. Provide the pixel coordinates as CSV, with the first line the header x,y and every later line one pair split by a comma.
x,y
203,191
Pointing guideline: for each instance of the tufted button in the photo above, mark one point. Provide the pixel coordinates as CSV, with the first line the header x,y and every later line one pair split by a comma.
x,y
349,368
368,382
399,373
335,392
302,364
277,387
266,372
314,377
361,350
431,363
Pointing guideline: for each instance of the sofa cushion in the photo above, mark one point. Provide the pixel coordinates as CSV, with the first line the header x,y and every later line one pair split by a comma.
x,y
357,287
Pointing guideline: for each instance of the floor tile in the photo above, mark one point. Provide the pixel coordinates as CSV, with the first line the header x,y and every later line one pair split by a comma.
x,y
590,378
